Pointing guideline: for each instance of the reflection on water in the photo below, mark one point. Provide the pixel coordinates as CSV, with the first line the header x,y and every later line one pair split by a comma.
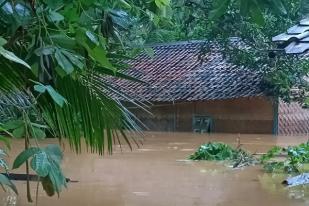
x,y
158,174
10,198
272,184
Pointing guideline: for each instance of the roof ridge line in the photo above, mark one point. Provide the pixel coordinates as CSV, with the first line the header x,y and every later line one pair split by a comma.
x,y
176,43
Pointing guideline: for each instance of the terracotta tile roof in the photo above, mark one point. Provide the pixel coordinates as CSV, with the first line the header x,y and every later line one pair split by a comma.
x,y
180,72
292,119
296,39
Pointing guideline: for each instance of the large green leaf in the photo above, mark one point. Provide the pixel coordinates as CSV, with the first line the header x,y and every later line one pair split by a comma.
x,y
55,16
92,37
5,181
46,50
13,124
58,98
54,152
11,56
37,133
75,59
46,164
24,156
63,62
19,132
99,55
57,178
6,141
40,164
63,40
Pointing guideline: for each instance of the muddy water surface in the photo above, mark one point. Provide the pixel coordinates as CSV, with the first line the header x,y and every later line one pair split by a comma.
x,y
157,175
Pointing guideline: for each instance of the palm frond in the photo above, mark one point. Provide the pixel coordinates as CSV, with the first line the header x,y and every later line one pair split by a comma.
x,y
90,114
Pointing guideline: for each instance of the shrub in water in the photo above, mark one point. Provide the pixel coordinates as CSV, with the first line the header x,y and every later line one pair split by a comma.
x,y
219,151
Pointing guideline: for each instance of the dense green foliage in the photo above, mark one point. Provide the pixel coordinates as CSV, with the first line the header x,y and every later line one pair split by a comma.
x,y
216,151
54,59
46,163
58,53
293,159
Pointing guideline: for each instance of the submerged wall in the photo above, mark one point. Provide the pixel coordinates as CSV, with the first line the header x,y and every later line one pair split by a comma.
x,y
243,115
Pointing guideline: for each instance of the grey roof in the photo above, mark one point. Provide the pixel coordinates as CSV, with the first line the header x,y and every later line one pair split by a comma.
x,y
181,72
296,39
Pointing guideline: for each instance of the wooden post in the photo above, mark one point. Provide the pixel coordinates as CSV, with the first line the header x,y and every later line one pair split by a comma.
x,y
275,116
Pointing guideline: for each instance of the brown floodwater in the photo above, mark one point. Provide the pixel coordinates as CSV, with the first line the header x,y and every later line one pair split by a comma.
x,y
156,174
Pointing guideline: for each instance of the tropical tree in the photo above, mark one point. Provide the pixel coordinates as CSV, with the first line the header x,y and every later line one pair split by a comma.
x,y
54,59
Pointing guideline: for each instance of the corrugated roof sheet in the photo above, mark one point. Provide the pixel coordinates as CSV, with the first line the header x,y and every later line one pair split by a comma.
x,y
180,72
296,39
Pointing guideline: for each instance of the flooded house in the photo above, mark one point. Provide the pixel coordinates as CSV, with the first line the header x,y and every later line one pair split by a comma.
x,y
191,87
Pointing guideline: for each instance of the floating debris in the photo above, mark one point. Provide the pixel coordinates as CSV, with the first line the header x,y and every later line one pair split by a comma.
x,y
301,179
143,194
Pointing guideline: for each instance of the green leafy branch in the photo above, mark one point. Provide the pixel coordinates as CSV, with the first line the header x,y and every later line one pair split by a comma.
x,y
46,163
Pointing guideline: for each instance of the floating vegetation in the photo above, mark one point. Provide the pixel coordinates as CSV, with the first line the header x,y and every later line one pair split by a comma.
x,y
293,159
217,151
